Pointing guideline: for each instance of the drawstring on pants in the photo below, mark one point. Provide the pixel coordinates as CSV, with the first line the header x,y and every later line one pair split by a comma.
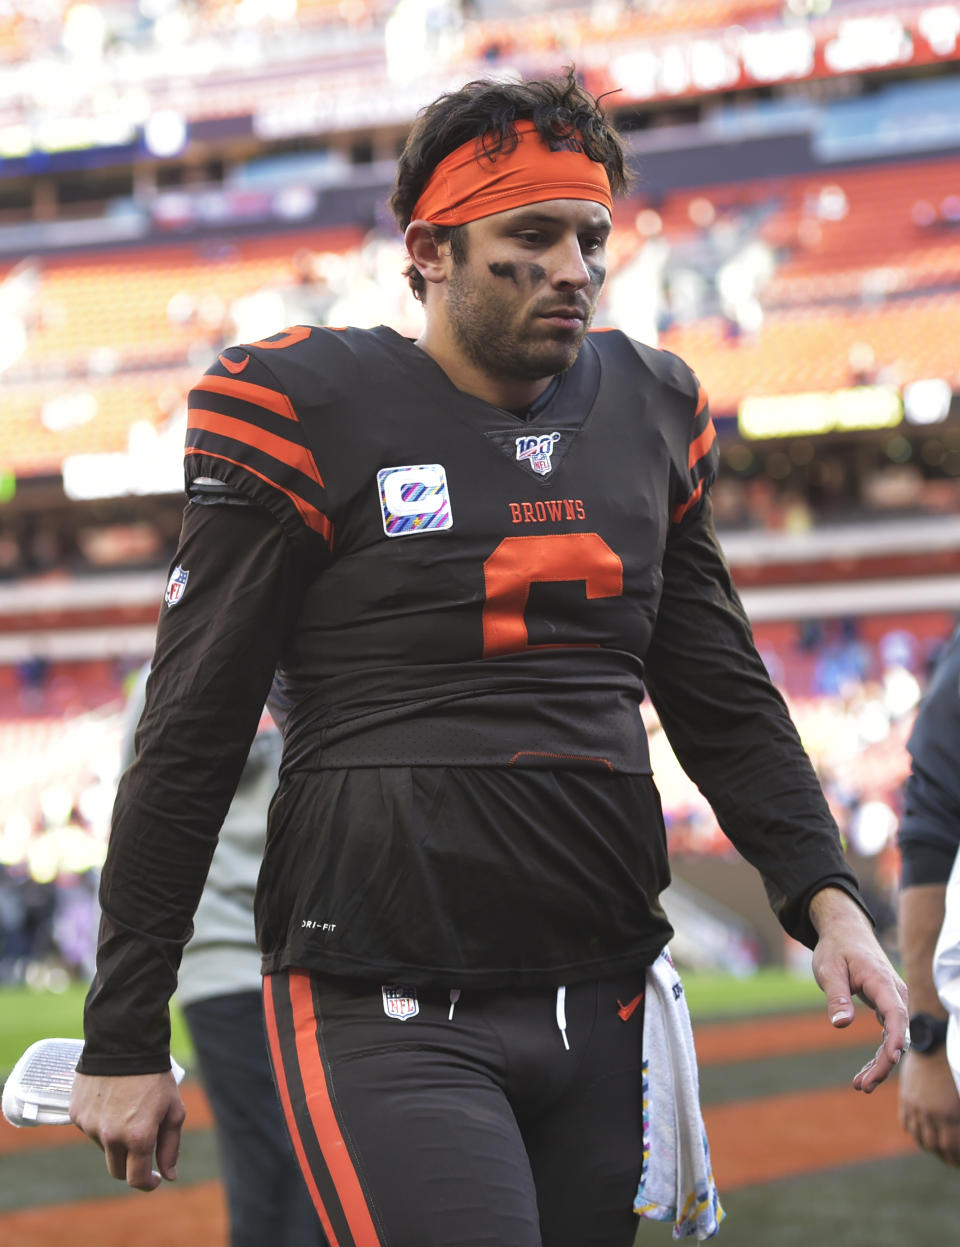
x,y
562,1015
561,1011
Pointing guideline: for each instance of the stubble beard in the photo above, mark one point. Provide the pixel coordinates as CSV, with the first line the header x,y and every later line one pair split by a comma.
x,y
485,329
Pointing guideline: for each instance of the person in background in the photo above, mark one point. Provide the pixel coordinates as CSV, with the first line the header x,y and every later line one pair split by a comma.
x,y
929,837
219,990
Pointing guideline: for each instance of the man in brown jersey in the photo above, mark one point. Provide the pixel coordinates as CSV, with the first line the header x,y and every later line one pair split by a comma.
x,y
468,558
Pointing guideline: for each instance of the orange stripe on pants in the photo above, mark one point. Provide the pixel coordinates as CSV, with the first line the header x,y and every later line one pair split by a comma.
x,y
273,1040
323,1119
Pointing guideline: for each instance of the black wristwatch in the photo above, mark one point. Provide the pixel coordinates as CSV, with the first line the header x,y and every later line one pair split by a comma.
x,y
927,1033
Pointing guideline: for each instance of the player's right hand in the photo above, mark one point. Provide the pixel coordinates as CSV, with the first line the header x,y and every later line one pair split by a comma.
x,y
930,1105
134,1119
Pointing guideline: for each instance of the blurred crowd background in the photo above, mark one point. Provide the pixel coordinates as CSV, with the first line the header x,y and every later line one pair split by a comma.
x,y
178,175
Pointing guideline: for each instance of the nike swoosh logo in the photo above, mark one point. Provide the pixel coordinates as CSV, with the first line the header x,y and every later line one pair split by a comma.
x,y
233,367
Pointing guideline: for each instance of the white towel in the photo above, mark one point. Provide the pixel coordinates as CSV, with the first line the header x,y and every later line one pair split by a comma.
x,y
676,1183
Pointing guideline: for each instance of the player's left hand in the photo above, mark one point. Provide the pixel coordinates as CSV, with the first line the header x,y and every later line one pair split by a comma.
x,y
848,961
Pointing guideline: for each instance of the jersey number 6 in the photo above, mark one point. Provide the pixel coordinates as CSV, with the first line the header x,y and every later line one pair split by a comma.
x,y
519,562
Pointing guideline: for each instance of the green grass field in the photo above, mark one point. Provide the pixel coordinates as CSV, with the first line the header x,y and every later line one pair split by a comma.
x,y
27,1015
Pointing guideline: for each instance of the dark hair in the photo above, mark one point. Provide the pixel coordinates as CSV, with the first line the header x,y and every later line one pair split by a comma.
x,y
486,110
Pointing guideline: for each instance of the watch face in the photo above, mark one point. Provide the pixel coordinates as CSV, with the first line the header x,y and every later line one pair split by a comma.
x,y
927,1033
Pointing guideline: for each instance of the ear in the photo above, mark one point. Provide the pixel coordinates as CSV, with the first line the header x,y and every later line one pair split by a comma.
x,y
429,256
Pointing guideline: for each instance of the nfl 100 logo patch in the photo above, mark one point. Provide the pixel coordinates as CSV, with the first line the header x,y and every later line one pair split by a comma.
x,y
400,1002
537,451
414,499
176,585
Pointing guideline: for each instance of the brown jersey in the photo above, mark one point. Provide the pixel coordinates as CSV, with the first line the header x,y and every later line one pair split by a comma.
x,y
489,584
465,608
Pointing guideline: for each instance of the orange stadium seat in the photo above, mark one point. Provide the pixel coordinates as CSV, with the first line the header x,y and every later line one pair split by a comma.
x,y
851,262
854,268
30,448
878,229
874,234
807,349
119,301
343,12
11,43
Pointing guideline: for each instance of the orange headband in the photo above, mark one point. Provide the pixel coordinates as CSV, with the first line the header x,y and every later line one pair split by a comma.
x,y
465,186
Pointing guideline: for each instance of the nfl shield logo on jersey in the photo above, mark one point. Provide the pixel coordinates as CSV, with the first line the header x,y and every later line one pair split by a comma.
x,y
400,1002
537,451
176,585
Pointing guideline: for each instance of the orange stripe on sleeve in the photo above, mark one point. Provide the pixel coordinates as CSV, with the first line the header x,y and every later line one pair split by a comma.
x,y
310,515
680,511
701,445
294,455
701,398
259,395
325,1124
283,1090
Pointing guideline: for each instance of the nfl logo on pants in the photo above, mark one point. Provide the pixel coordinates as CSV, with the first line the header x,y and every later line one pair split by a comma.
x,y
400,1002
